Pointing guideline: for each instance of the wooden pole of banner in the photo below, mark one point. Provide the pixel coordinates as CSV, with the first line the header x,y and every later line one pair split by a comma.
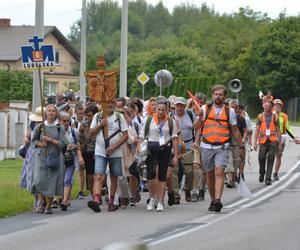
x,y
42,102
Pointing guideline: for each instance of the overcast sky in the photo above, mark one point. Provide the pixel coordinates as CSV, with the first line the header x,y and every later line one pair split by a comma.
x,y
62,13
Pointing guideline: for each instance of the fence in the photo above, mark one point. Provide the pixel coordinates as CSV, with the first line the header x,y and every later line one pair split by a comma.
x,y
293,109
13,126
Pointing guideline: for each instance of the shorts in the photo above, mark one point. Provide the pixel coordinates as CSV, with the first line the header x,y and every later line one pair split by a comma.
x,y
115,165
89,162
214,157
162,159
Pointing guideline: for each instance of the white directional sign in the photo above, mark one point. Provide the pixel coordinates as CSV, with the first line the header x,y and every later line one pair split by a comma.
x,y
143,78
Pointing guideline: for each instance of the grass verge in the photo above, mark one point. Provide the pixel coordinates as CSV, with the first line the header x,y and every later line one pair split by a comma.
x,y
13,199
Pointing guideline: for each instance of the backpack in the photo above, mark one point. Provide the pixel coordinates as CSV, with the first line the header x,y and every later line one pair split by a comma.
x,y
147,125
191,116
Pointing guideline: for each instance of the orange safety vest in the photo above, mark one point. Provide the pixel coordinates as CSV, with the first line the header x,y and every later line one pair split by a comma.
x,y
216,131
262,136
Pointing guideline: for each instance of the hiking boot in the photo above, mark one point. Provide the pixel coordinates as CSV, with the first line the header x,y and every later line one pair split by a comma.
x,y
176,199
80,196
261,178
275,177
171,199
218,206
160,207
151,204
211,207
94,205
201,194
111,207
124,202
268,182
195,197
188,196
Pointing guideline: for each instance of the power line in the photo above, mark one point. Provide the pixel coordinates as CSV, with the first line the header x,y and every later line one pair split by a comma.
x,y
16,7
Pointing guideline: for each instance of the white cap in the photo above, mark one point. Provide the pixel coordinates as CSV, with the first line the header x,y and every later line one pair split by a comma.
x,y
180,100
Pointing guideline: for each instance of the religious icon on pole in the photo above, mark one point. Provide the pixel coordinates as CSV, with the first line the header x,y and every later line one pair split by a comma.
x,y
102,87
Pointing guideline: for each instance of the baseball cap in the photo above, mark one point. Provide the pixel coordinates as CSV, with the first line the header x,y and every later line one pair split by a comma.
x,y
180,100
278,101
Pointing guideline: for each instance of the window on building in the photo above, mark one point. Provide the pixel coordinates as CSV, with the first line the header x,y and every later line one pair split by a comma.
x,y
57,59
51,88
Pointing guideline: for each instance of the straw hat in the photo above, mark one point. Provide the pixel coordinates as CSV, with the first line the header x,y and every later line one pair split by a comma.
x,y
37,115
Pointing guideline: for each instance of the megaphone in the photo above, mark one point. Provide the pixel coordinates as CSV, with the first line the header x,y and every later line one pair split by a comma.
x,y
163,78
235,85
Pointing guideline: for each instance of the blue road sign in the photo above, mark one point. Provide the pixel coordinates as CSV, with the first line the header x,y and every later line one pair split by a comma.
x,y
37,56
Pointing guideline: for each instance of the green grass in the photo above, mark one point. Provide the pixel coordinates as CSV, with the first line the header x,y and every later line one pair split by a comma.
x,y
13,199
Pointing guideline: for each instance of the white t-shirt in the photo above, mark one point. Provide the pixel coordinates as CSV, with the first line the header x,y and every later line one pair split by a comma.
x,y
232,122
154,134
186,127
248,122
113,126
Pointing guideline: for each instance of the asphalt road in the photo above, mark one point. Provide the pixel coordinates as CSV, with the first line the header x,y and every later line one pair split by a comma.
x,y
271,220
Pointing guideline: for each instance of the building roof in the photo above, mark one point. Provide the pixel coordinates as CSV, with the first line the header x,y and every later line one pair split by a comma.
x,y
13,37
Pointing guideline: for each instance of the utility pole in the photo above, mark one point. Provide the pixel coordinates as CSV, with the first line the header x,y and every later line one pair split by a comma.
x,y
83,53
123,65
38,31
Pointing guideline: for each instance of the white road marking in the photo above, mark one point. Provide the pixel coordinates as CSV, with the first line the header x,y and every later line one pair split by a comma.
x,y
219,217
264,190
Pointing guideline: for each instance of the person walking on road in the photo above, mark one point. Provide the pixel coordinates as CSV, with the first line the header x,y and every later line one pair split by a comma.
x,y
285,130
268,136
49,163
111,156
161,132
218,125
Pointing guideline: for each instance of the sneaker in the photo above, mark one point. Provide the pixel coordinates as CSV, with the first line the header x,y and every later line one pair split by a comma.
x,y
160,207
48,211
124,202
151,204
176,199
275,177
94,205
80,196
261,178
132,202
211,207
218,206
195,197
188,196
171,199
111,207
268,182
201,195
54,204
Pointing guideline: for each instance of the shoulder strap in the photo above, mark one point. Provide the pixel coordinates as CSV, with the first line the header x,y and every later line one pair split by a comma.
x,y
73,135
147,125
58,129
170,123
208,109
227,111
118,115
190,114
136,127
